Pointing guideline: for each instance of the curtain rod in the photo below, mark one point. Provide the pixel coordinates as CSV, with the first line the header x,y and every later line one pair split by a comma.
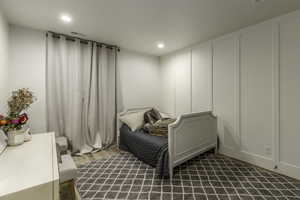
x,y
83,41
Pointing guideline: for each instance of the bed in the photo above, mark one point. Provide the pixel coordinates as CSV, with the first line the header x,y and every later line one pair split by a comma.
x,y
190,135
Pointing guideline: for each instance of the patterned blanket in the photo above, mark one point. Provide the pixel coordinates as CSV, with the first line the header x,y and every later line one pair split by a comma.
x,y
160,127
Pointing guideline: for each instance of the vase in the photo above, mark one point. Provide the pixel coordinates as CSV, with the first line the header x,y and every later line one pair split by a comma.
x,y
15,137
27,135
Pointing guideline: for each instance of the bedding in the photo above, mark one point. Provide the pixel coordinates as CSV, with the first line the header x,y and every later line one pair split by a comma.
x,y
160,128
155,124
151,149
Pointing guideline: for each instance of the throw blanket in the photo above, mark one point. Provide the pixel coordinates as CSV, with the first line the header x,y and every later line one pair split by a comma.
x,y
155,124
149,144
160,128
162,166
150,149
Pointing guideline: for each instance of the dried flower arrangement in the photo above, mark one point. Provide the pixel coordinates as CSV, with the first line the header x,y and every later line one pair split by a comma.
x,y
20,101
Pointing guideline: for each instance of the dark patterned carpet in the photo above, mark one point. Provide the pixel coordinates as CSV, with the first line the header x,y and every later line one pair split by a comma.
x,y
206,177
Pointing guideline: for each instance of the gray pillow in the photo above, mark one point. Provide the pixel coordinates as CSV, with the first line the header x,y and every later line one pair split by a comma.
x,y
152,116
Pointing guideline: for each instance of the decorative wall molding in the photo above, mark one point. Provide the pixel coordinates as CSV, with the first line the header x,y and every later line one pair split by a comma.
x,y
272,134
276,92
237,90
274,163
249,158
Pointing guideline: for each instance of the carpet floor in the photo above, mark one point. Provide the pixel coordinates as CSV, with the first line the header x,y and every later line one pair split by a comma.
x,y
207,176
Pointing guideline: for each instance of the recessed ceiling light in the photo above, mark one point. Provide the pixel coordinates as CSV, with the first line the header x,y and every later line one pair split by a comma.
x,y
66,18
160,45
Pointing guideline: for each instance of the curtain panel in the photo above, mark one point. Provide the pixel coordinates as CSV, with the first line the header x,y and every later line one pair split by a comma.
x,y
80,81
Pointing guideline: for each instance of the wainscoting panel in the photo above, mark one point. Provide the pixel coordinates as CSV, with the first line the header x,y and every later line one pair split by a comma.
x,y
224,65
289,138
182,66
255,91
256,59
267,100
168,85
202,78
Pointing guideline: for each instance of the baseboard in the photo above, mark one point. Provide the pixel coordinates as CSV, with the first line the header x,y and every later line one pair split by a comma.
x,y
289,170
249,158
263,162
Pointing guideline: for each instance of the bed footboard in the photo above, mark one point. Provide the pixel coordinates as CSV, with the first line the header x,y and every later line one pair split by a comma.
x,y
191,135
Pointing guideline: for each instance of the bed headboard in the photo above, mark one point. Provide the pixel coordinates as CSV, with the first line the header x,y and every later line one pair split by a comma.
x,y
129,111
133,110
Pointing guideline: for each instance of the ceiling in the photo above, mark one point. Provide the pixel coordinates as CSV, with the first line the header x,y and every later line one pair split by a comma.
x,y
139,24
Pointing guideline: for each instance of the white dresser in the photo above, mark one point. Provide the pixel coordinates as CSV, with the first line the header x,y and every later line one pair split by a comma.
x,y
30,171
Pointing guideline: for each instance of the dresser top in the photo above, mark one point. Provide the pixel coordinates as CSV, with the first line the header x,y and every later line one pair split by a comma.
x,y
29,165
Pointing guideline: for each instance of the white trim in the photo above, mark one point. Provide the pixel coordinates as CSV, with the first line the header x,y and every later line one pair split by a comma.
x,y
191,80
211,87
237,90
264,162
276,93
254,159
212,79
289,170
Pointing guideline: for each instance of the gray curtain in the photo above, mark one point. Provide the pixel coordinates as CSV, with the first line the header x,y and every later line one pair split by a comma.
x,y
81,93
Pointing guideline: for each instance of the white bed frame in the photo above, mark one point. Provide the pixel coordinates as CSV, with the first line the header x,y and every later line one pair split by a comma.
x,y
189,136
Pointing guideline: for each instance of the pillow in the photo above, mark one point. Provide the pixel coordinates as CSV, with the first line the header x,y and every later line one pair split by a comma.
x,y
134,121
152,116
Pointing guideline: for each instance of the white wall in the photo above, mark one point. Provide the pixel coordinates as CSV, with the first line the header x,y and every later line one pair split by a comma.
x,y
27,56
168,84
138,80
182,66
138,74
201,77
187,80
256,59
244,93
4,31
288,136
255,90
258,67
226,90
